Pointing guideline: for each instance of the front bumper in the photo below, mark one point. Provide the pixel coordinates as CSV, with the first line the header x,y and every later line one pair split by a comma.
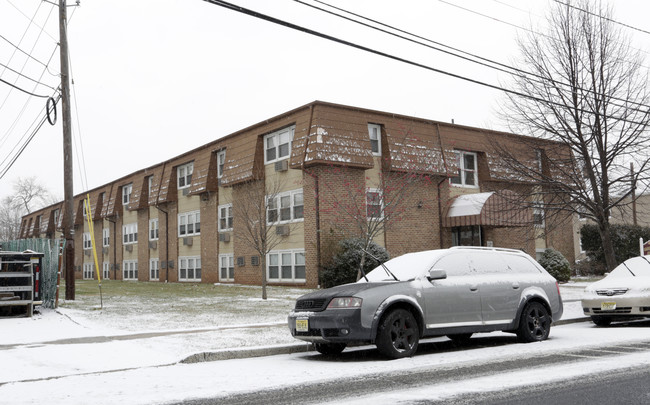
x,y
623,305
330,325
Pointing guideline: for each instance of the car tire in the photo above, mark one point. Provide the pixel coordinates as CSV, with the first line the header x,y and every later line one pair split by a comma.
x,y
398,334
602,321
329,348
461,338
534,324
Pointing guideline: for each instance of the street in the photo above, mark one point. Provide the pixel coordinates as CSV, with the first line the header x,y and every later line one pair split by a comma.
x,y
607,373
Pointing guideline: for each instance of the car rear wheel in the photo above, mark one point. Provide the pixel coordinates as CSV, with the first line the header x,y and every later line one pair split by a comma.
x,y
601,320
398,334
535,323
329,348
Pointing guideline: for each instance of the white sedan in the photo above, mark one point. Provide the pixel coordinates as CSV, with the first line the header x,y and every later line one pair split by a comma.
x,y
623,295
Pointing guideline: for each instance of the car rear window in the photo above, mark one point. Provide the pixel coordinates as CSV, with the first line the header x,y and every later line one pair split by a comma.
x,y
521,264
637,265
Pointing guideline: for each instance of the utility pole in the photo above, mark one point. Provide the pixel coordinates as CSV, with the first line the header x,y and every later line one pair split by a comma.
x,y
68,225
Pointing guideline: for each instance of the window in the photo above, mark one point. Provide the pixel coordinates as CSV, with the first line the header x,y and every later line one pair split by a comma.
x,y
374,132
466,176
154,269
221,162
538,215
466,236
56,218
277,145
88,271
126,193
189,268
189,223
283,266
106,237
374,204
87,243
225,217
153,229
130,270
149,184
130,233
285,207
106,271
226,268
184,173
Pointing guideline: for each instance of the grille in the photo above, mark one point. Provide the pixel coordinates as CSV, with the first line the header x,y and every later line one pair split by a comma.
x,y
310,304
621,310
610,292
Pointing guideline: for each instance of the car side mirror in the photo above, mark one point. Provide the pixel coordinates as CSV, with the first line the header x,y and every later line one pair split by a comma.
x,y
436,274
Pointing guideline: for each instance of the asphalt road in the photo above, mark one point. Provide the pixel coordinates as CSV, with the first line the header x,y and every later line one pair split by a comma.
x,y
568,392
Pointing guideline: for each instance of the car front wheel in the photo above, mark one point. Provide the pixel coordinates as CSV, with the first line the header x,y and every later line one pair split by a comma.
x,y
398,334
535,323
601,320
329,348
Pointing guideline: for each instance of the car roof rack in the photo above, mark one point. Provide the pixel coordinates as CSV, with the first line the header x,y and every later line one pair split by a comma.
x,y
495,249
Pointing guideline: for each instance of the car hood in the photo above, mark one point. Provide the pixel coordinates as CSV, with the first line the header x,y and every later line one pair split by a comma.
x,y
345,290
632,283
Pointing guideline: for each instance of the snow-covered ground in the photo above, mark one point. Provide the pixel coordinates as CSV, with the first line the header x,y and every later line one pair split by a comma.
x,y
67,357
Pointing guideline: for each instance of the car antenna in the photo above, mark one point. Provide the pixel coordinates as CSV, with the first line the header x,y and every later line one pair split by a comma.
x,y
382,265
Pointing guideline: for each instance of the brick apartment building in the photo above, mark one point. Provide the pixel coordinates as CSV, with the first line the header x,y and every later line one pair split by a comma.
x,y
179,220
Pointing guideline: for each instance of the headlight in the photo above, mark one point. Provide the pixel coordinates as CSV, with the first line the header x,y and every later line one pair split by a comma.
x,y
345,302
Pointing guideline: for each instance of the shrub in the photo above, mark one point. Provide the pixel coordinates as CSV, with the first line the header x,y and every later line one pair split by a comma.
x,y
625,239
556,264
345,264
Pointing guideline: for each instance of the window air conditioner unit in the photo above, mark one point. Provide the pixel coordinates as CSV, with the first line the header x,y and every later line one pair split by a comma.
x,y
187,241
255,260
224,237
129,248
282,230
105,250
282,166
186,191
153,244
87,252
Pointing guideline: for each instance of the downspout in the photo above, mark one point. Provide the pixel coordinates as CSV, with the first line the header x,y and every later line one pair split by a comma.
x,y
316,197
444,161
166,224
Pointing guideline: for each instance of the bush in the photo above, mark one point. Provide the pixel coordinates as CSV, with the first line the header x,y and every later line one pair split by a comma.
x,y
625,239
556,264
345,264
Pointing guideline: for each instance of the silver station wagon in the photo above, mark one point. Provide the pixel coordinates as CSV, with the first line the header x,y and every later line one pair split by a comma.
x,y
454,292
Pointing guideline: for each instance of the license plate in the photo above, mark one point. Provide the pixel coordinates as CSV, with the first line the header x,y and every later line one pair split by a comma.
x,y
302,325
607,306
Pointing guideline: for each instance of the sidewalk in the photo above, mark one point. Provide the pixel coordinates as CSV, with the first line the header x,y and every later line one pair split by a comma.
x,y
52,344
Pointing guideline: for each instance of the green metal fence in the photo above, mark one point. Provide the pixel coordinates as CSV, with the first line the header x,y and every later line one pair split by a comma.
x,y
50,250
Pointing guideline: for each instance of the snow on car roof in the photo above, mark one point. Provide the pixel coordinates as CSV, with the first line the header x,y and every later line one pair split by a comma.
x,y
406,267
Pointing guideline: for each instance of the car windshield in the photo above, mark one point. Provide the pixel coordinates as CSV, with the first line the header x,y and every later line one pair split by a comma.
x,y
634,267
405,267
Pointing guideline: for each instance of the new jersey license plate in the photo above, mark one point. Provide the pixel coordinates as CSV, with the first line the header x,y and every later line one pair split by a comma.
x,y
607,306
302,325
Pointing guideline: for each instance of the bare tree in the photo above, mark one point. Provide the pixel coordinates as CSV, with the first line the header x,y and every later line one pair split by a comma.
x,y
367,207
10,216
257,213
28,192
586,90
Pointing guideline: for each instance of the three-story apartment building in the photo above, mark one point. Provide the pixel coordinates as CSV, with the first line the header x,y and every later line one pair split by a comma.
x,y
180,220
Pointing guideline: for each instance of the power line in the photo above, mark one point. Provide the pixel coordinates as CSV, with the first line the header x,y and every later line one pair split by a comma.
x,y
506,68
305,30
603,17
23,52
23,90
26,77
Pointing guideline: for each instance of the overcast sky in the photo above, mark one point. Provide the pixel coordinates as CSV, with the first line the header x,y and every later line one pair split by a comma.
x,y
155,78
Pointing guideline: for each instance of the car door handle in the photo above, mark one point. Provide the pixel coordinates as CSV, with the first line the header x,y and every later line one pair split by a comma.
x,y
515,286
473,287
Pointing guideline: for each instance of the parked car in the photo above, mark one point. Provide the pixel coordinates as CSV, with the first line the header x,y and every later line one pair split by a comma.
x,y
623,294
454,292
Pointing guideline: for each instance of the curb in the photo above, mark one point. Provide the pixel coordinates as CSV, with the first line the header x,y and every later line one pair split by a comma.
x,y
244,353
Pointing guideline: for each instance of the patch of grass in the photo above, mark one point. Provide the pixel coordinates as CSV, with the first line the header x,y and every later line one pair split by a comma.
x,y
154,305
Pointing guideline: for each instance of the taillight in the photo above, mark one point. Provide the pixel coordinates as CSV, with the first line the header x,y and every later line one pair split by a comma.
x,y
557,285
